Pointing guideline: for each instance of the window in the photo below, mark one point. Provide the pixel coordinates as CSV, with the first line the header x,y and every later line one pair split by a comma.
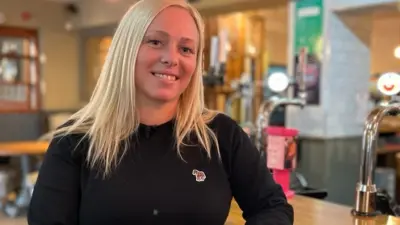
x,y
19,70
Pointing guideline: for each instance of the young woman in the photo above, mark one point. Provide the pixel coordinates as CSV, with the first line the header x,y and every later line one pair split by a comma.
x,y
145,150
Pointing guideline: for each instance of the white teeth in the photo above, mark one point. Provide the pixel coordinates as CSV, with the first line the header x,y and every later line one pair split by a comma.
x,y
163,76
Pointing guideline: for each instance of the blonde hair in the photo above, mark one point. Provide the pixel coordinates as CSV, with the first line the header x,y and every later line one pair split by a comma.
x,y
110,117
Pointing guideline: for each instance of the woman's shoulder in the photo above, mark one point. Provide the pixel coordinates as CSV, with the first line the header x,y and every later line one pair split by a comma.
x,y
63,136
225,128
68,144
223,121
69,140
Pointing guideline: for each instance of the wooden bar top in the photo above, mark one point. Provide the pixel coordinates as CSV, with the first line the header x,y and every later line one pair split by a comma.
x,y
23,148
309,211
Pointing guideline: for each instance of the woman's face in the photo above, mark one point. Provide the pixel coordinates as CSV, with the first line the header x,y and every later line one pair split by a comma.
x,y
167,56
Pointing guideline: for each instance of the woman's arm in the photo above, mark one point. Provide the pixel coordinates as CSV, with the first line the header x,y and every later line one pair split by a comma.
x,y
260,198
56,195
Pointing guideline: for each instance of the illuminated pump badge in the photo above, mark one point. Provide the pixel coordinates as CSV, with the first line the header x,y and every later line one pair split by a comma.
x,y
389,84
278,81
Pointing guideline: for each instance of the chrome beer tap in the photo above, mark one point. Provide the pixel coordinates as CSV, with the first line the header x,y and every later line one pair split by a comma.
x,y
269,105
264,114
366,191
230,100
243,90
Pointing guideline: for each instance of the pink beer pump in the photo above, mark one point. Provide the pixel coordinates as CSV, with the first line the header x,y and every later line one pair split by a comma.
x,y
276,142
279,143
281,155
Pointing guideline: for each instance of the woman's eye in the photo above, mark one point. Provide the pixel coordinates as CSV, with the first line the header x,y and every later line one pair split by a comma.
x,y
154,42
187,50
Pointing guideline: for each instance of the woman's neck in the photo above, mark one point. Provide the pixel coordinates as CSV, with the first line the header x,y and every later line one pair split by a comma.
x,y
156,115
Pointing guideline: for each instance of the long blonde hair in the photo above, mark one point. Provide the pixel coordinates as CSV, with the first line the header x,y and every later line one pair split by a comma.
x,y
110,117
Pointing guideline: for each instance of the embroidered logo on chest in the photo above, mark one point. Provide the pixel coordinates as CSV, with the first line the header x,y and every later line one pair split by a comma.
x,y
200,175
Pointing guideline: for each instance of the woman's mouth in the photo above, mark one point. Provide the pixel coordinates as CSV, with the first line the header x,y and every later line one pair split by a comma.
x,y
165,76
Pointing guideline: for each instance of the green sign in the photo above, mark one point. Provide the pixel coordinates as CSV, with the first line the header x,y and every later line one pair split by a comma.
x,y
308,36
309,26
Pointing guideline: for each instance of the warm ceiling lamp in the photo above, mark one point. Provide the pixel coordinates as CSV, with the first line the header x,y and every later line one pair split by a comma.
x,y
397,52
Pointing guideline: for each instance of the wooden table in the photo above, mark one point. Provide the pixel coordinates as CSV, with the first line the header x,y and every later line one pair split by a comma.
x,y
309,211
22,149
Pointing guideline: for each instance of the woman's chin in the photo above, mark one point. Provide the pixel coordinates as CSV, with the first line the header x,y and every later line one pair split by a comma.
x,y
165,97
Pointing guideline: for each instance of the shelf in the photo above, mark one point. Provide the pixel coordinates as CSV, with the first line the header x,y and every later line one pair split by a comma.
x,y
16,83
17,56
19,70
8,106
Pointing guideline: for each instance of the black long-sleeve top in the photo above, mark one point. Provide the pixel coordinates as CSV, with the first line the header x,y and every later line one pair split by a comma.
x,y
152,185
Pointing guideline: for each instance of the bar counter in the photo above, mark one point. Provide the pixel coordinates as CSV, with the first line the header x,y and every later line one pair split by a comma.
x,y
309,211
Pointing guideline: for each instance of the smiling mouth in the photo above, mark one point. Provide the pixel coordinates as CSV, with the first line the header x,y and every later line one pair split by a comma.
x,y
388,87
165,76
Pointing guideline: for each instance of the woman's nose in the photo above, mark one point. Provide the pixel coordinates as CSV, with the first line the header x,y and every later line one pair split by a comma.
x,y
170,57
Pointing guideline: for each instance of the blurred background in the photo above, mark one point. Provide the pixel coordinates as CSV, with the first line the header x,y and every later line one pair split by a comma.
x,y
328,53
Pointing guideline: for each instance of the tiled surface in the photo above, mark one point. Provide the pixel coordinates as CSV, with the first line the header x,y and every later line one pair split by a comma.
x,y
332,165
345,79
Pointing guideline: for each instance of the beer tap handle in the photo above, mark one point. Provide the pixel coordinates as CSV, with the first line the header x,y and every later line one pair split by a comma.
x,y
216,70
301,73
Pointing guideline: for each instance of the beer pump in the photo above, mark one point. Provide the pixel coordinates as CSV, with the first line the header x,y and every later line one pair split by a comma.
x,y
218,56
215,76
268,106
369,201
244,89
280,142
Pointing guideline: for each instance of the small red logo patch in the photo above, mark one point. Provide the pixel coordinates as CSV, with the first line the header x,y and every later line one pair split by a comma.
x,y
200,175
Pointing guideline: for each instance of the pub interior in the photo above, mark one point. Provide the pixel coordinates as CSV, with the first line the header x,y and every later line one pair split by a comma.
x,y
324,75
